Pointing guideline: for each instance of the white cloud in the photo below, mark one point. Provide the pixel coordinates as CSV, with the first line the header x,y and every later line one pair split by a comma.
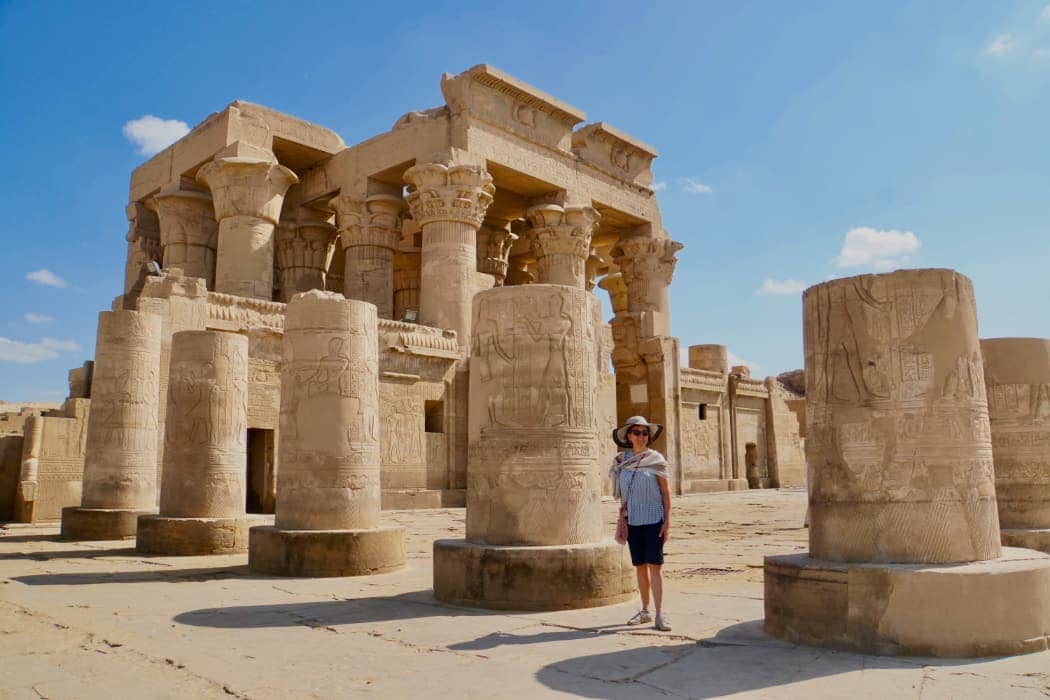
x,y
27,353
152,134
657,186
39,318
1045,14
45,276
877,249
694,186
1001,45
789,286
735,360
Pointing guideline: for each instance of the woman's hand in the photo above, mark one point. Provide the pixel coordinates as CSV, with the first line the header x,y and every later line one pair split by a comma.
x,y
665,531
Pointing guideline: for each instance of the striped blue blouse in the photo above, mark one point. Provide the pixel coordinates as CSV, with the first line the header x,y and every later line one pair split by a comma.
x,y
645,505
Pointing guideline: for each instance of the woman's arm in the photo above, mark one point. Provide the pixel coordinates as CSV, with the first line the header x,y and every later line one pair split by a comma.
x,y
665,494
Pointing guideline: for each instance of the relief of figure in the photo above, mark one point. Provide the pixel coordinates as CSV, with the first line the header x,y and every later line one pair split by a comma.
x,y
329,374
1040,401
952,377
857,363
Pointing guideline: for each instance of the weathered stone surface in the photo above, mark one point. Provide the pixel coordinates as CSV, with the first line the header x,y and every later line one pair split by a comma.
x,y
1017,377
180,536
552,577
320,553
898,444
188,232
986,608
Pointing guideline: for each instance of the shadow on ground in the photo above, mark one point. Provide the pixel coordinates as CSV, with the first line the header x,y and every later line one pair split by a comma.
x,y
738,659
28,538
164,573
45,555
325,614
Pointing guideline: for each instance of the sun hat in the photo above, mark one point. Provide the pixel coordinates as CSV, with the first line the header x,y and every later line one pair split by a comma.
x,y
620,434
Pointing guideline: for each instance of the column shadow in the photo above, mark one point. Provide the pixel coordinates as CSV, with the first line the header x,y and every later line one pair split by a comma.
x,y
738,659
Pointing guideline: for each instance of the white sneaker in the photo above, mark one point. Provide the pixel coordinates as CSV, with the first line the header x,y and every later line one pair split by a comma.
x,y
663,623
642,617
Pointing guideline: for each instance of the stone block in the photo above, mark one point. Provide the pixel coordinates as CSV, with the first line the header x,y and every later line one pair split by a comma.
x,y
553,577
100,523
323,553
159,534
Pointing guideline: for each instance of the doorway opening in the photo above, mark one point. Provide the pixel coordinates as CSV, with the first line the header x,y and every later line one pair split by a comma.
x,y
261,497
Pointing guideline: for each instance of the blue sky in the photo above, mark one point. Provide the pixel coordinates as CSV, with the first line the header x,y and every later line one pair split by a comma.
x,y
798,141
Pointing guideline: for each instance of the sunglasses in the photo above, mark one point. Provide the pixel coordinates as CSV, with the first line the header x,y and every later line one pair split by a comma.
x,y
640,432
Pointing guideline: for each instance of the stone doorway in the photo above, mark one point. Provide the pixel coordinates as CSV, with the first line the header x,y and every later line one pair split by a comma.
x,y
261,496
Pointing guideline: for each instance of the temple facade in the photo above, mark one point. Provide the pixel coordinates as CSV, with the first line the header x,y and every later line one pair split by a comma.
x,y
501,186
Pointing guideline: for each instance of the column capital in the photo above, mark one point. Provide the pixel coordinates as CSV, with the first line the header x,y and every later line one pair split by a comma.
x,y
374,220
650,259
561,241
494,241
442,192
615,285
247,186
186,217
302,251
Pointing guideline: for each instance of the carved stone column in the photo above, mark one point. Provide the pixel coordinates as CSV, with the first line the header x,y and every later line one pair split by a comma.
x,y
188,233
533,483
143,239
328,487
120,459
449,203
302,253
561,241
593,265
247,192
518,273
647,265
902,492
1017,376
494,241
203,487
617,290
369,232
407,263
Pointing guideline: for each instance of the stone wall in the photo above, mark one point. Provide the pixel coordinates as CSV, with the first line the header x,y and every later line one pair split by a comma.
x,y
52,464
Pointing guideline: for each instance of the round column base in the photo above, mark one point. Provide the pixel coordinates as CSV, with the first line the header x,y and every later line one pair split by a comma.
x,y
161,534
988,608
100,523
1038,539
532,578
323,553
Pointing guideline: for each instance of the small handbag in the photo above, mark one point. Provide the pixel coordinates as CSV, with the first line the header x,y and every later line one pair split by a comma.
x,y
621,527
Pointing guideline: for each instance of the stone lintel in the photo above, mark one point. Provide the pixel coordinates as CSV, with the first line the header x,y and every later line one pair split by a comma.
x,y
615,153
519,90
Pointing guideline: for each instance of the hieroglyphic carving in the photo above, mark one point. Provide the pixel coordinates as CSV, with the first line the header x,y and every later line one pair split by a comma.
x,y
897,441
329,462
120,463
532,476
206,430
1017,375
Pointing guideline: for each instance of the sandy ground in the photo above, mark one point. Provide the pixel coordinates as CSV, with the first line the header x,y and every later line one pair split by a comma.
x,y
87,620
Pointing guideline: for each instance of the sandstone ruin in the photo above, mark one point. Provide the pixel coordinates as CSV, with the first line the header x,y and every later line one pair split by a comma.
x,y
504,188
904,537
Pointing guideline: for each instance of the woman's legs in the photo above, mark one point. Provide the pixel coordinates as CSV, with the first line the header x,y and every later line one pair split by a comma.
x,y
654,578
642,572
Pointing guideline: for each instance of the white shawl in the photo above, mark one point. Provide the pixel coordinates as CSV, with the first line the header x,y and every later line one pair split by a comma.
x,y
649,461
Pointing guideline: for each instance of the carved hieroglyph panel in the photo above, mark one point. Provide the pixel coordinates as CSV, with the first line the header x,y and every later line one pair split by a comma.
x,y
205,450
402,444
1017,376
532,470
898,440
120,461
701,457
328,456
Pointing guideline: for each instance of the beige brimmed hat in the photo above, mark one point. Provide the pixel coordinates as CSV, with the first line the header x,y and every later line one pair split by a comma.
x,y
620,434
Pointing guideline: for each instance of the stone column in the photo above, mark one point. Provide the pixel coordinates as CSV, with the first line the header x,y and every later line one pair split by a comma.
x,y
517,273
203,492
449,203
369,232
494,241
1017,377
647,265
712,358
302,253
561,241
406,280
535,536
143,239
188,232
247,192
328,488
901,482
617,289
120,459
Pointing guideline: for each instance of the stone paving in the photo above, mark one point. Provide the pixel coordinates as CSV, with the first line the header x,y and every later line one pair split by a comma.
x,y
96,619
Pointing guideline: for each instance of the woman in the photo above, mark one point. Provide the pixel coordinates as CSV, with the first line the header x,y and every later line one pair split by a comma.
x,y
640,481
